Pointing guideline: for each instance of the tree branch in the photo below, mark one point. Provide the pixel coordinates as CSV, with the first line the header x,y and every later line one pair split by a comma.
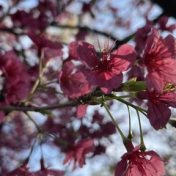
x,y
117,41
85,28
39,109
95,31
13,31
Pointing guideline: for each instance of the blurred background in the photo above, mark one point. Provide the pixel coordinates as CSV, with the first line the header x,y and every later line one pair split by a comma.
x,y
103,23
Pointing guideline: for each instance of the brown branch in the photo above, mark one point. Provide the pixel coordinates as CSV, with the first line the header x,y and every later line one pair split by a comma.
x,y
13,31
39,109
95,31
87,99
91,30
85,28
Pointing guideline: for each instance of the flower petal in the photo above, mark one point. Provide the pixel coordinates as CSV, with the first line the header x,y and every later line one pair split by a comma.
x,y
123,57
158,114
83,51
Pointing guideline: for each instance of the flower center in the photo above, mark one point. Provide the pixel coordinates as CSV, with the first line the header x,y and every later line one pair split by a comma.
x,y
104,63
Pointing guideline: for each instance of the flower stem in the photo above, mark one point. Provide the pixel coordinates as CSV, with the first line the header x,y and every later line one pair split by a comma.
x,y
130,136
31,150
143,111
113,120
33,121
141,133
42,109
37,82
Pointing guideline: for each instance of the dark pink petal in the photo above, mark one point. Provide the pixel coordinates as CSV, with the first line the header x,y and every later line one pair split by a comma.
x,y
78,153
169,98
142,35
158,114
155,49
114,83
170,41
158,107
16,85
156,164
155,82
136,72
68,68
27,20
73,82
136,171
139,163
41,41
154,44
81,110
121,168
84,52
163,24
159,58
167,71
75,86
100,79
123,57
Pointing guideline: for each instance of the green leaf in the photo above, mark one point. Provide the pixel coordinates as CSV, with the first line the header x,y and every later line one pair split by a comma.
x,y
133,85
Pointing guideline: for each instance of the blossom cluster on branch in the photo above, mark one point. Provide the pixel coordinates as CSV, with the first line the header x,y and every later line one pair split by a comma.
x,y
66,78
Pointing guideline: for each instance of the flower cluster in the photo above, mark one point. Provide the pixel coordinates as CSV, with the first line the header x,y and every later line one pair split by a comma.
x,y
105,70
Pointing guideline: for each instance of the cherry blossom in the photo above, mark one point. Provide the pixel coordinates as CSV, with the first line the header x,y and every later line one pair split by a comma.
x,y
140,163
78,152
105,70
158,108
72,81
159,58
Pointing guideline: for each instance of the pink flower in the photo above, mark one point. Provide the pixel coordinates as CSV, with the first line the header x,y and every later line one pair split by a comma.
x,y
16,80
104,71
72,81
159,58
78,152
140,163
158,108
49,47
